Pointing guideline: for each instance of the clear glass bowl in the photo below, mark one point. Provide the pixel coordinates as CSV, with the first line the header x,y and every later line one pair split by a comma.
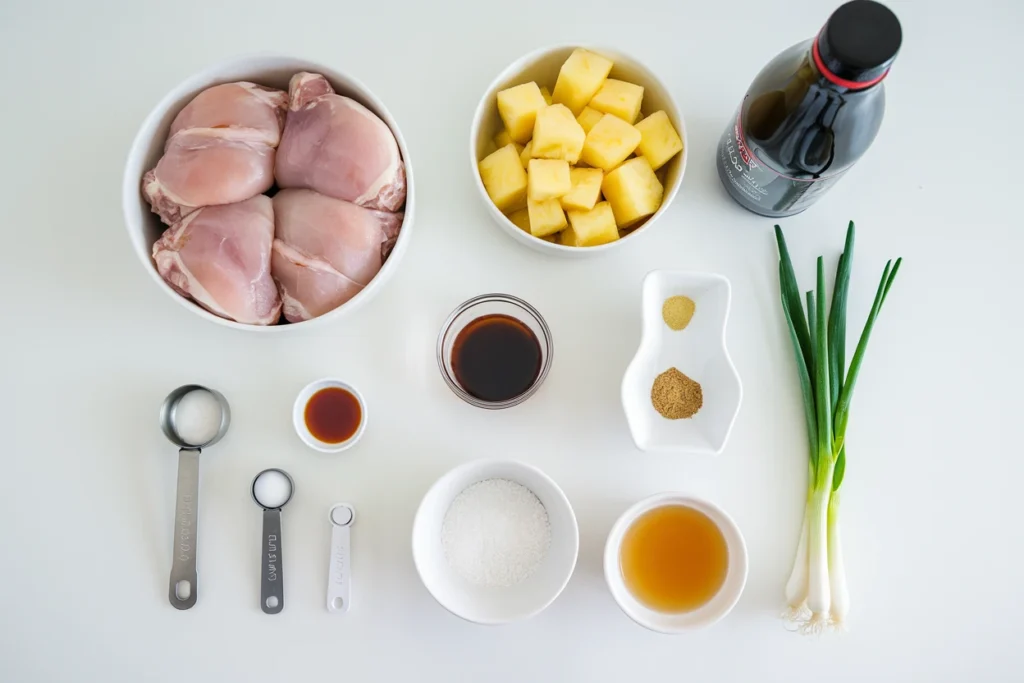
x,y
493,304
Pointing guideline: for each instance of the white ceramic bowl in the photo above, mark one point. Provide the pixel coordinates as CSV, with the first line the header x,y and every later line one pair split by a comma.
x,y
542,66
487,605
698,351
299,416
144,227
723,601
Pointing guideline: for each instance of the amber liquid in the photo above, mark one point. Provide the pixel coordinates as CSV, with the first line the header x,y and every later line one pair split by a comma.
x,y
496,358
333,415
674,559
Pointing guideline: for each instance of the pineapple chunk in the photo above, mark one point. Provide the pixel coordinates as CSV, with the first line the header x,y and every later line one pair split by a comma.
x,y
518,108
619,98
502,139
526,153
586,189
609,142
588,118
579,79
546,217
504,178
591,228
547,95
547,179
521,218
633,191
659,140
557,135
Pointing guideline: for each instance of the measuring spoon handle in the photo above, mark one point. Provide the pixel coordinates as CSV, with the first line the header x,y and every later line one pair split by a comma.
x,y
340,572
183,589
272,583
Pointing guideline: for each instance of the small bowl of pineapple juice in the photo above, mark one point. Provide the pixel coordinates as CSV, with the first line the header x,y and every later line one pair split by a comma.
x,y
577,149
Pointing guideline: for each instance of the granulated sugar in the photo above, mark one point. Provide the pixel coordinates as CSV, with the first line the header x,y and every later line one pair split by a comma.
x,y
496,533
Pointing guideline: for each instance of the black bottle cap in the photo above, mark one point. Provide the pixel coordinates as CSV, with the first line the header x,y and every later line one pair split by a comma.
x,y
859,42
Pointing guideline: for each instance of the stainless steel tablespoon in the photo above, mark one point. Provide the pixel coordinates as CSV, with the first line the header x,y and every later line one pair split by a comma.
x,y
271,490
183,585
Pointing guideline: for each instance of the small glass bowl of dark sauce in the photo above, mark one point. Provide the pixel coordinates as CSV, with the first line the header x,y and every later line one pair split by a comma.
x,y
494,351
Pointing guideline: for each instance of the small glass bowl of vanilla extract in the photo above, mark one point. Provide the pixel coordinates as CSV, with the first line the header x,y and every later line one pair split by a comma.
x,y
494,351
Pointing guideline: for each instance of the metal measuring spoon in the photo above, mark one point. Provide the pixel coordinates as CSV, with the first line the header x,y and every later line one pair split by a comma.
x,y
183,586
272,489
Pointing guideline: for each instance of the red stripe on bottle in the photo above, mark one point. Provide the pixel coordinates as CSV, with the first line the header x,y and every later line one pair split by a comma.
x,y
841,82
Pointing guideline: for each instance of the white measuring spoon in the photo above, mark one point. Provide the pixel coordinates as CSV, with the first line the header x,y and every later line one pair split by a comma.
x,y
184,589
339,573
272,489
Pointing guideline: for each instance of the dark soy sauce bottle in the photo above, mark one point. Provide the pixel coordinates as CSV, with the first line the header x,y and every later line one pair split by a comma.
x,y
811,113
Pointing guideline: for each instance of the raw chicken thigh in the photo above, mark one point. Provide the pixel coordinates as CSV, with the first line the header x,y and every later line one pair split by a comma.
x,y
220,150
326,250
219,256
236,105
338,147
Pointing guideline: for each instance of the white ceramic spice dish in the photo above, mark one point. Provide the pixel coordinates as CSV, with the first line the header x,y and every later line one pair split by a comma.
x,y
716,608
484,604
299,416
697,351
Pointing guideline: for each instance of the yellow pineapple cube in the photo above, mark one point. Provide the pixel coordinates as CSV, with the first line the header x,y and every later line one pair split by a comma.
x,y
579,79
619,98
659,140
547,95
591,228
547,179
502,139
518,107
526,153
521,218
504,178
609,142
633,191
588,118
586,189
546,217
557,135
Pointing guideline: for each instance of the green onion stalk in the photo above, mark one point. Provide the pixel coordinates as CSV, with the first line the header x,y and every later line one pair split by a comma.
x,y
816,592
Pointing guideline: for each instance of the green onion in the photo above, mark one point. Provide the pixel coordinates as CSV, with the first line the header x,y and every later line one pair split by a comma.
x,y
816,592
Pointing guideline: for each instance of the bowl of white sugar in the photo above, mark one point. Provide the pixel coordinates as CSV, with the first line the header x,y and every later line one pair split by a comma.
x,y
495,541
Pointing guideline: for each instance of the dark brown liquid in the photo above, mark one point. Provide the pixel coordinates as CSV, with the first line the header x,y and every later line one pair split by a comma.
x,y
333,415
496,358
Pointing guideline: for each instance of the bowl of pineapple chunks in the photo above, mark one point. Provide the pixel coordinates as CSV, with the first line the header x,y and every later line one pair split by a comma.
x,y
577,149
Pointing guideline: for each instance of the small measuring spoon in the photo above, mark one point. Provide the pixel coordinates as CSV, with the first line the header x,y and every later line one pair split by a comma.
x,y
272,489
208,430
339,573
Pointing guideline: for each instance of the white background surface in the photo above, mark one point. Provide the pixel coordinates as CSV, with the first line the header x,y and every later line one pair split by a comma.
x,y
90,347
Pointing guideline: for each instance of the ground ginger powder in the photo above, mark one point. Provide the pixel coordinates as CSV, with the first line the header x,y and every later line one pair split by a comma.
x,y
677,311
675,395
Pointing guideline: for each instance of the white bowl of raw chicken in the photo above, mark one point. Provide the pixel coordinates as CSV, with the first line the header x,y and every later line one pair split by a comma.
x,y
145,227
